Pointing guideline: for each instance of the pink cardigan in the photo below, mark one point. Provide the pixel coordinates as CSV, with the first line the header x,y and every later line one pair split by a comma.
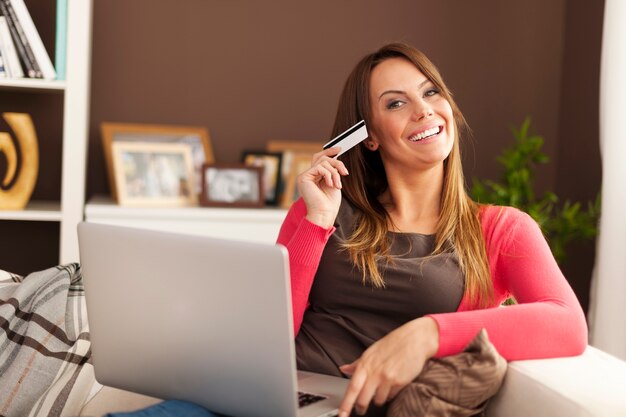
x,y
548,320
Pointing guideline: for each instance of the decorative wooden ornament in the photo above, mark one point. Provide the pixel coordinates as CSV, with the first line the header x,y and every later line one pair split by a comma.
x,y
17,196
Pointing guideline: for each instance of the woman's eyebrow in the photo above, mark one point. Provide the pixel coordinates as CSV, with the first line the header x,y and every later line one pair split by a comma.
x,y
402,92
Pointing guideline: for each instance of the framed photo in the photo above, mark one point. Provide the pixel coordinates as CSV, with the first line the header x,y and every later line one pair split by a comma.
x,y
234,185
196,137
271,163
292,151
300,163
153,174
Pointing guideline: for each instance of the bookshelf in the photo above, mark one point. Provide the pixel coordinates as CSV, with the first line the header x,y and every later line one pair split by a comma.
x,y
68,211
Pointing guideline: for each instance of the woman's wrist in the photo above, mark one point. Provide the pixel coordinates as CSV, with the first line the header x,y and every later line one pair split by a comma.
x,y
428,334
323,220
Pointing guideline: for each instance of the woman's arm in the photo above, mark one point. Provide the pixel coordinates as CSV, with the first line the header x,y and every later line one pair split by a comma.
x,y
305,243
548,320
309,224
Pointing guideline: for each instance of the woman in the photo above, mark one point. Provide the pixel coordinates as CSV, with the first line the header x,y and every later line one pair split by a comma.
x,y
392,263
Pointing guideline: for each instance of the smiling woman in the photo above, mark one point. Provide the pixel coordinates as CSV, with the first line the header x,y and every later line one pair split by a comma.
x,y
408,113
405,266
393,264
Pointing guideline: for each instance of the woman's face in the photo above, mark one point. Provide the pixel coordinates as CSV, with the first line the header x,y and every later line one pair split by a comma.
x,y
412,123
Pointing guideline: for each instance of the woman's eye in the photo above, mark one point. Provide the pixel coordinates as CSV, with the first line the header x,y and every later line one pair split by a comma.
x,y
394,104
431,92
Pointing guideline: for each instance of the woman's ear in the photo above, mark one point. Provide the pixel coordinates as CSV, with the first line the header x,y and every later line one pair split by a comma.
x,y
371,144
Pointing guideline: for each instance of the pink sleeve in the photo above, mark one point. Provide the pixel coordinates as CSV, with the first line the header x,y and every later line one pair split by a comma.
x,y
548,320
305,243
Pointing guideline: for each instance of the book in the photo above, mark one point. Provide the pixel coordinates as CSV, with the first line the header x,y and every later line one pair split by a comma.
x,y
61,39
39,50
3,73
12,64
19,39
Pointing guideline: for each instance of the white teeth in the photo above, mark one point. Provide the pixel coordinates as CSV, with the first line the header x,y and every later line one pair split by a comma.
x,y
424,134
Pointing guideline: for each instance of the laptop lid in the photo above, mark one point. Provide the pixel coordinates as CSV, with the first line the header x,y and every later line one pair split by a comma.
x,y
190,317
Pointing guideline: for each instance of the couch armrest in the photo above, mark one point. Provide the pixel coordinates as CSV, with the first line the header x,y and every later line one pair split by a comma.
x,y
593,384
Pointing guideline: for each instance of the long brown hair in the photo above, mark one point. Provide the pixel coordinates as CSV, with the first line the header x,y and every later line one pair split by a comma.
x,y
458,228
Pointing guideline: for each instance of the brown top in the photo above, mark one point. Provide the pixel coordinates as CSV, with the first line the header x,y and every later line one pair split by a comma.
x,y
346,316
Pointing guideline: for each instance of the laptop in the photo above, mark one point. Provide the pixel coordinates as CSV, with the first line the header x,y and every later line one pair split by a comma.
x,y
200,319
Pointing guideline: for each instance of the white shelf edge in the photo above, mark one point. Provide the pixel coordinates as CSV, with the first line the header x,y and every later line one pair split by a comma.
x,y
35,211
101,207
25,84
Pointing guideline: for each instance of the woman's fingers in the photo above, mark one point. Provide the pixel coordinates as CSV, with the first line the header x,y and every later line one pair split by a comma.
x,y
349,368
327,174
330,152
362,390
352,392
365,397
330,171
327,156
382,394
335,177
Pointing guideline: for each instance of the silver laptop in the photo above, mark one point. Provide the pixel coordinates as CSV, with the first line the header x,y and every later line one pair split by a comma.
x,y
200,319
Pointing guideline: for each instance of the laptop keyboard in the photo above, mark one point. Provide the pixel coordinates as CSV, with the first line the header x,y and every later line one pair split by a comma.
x,y
306,398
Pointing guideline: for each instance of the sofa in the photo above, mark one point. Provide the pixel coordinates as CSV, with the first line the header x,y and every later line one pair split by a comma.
x,y
593,384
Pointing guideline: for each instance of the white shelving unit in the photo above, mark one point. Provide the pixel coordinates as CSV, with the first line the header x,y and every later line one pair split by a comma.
x,y
248,224
69,211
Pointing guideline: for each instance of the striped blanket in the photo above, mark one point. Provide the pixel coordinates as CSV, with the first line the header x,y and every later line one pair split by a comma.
x,y
45,365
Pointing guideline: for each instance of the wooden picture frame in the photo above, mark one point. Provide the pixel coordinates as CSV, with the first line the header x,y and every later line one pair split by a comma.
x,y
197,137
271,163
232,185
292,151
300,163
153,174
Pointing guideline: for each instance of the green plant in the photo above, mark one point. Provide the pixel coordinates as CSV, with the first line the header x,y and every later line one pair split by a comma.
x,y
561,224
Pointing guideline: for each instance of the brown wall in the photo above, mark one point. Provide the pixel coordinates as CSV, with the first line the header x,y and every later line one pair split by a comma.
x,y
578,174
253,71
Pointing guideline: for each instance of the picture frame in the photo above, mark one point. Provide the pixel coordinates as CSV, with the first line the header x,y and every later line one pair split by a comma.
x,y
293,153
197,137
232,185
271,163
153,174
300,163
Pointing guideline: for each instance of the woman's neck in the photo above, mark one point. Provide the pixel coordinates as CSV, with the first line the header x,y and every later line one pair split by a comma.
x,y
413,200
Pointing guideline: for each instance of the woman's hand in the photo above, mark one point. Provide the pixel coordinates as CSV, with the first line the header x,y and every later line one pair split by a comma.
x,y
320,187
389,365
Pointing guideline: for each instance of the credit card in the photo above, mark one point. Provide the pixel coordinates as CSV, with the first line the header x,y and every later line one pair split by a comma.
x,y
349,139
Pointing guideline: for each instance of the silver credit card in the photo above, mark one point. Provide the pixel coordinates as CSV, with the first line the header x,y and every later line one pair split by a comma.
x,y
349,139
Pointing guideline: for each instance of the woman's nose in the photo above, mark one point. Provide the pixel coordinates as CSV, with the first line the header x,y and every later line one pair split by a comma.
x,y
422,110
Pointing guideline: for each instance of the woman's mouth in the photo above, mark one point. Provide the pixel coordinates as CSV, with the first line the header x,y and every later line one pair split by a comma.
x,y
428,133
